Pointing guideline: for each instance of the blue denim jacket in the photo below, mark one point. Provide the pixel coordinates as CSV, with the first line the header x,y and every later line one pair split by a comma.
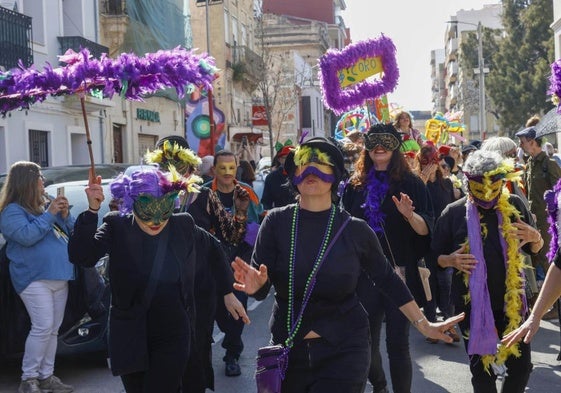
x,y
37,249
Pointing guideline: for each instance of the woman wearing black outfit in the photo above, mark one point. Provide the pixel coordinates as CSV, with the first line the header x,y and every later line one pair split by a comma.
x,y
131,238
209,214
331,351
396,205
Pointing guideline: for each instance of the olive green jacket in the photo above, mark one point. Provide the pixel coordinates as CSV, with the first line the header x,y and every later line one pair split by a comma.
x,y
541,175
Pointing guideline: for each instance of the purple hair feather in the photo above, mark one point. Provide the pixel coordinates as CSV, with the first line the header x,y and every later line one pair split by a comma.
x,y
147,181
341,100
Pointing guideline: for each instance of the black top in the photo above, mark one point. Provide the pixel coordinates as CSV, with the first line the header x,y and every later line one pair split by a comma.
x,y
398,230
188,247
276,191
441,194
451,231
334,310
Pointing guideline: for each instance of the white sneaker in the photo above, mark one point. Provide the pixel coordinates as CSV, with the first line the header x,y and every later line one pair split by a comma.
x,y
30,385
54,385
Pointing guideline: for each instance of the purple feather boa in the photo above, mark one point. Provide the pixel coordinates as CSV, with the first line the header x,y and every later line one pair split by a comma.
x,y
555,81
551,197
128,75
376,189
483,336
341,100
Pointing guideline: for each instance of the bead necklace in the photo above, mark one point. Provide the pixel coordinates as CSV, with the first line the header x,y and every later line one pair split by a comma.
x,y
291,326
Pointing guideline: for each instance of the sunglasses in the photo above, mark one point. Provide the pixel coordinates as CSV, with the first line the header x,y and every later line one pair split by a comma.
x,y
388,141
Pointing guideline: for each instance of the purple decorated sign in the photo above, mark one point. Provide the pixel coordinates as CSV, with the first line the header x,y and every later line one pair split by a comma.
x,y
344,73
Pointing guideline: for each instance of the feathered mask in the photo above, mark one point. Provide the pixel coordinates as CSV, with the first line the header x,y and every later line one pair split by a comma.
x,y
155,183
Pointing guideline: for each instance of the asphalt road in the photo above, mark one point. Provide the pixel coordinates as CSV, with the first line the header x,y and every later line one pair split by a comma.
x,y
437,368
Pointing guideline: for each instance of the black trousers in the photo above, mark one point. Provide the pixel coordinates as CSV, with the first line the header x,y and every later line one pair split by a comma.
x,y
317,366
518,369
169,341
231,328
397,342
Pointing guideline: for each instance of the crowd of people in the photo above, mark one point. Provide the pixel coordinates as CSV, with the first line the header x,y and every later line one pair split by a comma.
x,y
474,215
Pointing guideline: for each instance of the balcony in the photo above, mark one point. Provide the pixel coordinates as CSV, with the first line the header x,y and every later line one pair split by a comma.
x,y
247,66
76,43
114,7
451,72
15,39
451,49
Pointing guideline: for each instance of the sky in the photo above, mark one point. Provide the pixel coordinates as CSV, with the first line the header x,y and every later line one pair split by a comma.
x,y
416,27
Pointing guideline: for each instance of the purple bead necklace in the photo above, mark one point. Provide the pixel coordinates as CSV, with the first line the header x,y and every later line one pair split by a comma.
x,y
291,326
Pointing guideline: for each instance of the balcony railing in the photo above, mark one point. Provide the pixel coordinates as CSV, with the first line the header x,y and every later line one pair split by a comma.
x,y
249,61
114,7
15,39
76,43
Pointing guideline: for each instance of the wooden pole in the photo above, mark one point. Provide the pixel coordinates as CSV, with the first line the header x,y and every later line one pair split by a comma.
x,y
88,138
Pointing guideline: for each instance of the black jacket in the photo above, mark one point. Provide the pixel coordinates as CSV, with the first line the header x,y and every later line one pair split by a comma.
x,y
120,238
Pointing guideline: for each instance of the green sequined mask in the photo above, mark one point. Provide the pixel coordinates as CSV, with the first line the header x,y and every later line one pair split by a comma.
x,y
155,210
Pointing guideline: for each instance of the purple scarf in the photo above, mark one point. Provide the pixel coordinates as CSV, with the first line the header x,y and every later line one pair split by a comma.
x,y
483,337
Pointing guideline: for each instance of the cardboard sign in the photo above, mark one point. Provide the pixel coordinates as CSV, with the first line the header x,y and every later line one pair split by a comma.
x,y
362,69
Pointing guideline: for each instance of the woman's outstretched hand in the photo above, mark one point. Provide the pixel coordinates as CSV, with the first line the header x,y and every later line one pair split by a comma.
x,y
235,308
437,329
525,331
248,279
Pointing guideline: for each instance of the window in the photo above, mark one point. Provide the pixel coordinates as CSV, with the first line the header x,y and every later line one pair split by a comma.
x,y
39,147
227,27
36,11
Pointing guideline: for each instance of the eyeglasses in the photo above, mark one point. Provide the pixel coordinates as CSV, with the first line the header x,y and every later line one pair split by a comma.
x,y
511,154
444,167
42,178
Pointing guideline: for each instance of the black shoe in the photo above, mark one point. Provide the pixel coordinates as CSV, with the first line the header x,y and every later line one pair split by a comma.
x,y
233,368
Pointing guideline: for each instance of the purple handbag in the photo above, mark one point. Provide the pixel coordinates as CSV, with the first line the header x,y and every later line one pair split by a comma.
x,y
271,366
272,361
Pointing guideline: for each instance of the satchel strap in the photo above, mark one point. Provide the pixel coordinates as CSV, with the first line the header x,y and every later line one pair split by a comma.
x,y
289,341
156,267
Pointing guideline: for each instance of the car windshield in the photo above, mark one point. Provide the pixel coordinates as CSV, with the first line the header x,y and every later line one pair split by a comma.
x,y
74,192
59,174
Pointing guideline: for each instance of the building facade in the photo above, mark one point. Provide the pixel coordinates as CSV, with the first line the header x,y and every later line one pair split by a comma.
x,y
54,132
462,91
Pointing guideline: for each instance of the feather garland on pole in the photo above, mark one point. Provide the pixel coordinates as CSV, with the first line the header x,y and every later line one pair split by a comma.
x,y
128,75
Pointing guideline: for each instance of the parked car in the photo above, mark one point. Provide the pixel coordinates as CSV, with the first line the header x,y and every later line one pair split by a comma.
x,y
84,328
60,174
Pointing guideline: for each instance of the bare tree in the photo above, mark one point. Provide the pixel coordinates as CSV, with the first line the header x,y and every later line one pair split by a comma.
x,y
278,85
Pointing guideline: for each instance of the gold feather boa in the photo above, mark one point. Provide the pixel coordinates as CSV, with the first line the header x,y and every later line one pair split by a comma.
x,y
514,280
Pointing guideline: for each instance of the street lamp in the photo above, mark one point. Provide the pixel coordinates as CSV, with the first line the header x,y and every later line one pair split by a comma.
x,y
481,71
